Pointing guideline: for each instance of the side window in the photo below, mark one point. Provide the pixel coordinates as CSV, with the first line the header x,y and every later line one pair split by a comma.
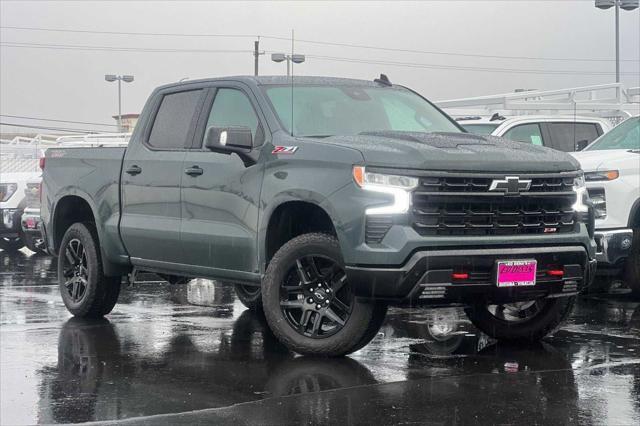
x,y
566,135
173,120
528,133
232,108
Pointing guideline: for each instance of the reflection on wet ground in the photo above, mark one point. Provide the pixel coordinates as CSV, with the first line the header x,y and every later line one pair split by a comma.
x,y
191,353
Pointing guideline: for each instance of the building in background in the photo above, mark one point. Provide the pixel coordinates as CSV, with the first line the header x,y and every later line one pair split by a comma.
x,y
128,122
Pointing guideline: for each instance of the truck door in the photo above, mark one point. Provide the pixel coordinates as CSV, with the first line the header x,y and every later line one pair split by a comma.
x,y
220,193
151,174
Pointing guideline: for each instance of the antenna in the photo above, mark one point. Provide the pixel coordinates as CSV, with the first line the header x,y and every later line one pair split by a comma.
x,y
292,81
383,80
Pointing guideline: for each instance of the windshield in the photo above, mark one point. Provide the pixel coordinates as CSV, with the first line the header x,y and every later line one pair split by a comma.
x,y
480,129
624,136
321,111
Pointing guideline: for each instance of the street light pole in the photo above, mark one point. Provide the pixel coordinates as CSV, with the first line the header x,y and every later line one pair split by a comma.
x,y
119,78
120,105
626,5
281,57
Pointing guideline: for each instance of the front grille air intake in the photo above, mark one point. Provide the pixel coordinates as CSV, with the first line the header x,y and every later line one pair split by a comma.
x,y
455,204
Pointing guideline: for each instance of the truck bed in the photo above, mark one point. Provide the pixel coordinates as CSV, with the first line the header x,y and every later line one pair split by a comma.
x,y
94,175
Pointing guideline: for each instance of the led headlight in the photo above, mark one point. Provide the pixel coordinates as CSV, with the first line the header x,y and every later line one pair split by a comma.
x,y
7,190
582,197
601,176
398,186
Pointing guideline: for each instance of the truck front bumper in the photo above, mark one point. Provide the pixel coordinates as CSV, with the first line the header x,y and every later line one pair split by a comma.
x,y
427,277
613,246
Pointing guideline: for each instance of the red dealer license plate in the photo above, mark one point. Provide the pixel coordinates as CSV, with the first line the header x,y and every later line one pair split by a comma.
x,y
515,273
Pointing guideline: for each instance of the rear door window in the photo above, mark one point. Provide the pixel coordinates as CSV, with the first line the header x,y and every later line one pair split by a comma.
x,y
173,121
527,133
564,136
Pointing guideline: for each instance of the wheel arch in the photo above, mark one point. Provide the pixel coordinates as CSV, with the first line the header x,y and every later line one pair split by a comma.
x,y
79,207
290,217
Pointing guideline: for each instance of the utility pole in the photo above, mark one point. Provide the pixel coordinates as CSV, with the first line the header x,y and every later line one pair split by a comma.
x,y
256,55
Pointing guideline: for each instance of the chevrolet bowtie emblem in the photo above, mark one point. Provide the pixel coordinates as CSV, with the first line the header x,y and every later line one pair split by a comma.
x,y
510,185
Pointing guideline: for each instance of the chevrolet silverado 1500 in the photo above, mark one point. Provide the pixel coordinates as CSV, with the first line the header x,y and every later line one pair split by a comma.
x,y
323,201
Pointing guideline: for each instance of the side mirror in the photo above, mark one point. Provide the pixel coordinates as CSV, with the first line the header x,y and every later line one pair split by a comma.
x,y
582,144
229,139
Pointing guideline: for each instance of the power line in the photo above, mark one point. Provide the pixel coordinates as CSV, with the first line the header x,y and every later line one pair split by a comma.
x,y
117,49
134,33
56,120
318,42
431,52
321,57
462,68
61,129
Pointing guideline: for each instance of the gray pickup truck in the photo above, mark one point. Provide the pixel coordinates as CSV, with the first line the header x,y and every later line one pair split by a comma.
x,y
323,201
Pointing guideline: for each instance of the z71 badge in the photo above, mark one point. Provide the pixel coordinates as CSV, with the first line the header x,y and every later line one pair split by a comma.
x,y
284,149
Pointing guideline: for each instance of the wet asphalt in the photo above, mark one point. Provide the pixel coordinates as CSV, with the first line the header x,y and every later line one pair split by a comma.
x,y
192,354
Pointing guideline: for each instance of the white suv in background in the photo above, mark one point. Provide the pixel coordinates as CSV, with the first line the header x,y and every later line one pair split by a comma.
x,y
564,133
612,172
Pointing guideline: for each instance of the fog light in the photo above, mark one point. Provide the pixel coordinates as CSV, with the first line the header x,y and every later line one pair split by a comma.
x,y
625,244
555,272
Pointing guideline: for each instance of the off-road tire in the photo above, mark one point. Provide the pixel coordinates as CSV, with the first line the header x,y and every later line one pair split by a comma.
x,y
545,322
102,292
632,265
248,296
11,245
359,327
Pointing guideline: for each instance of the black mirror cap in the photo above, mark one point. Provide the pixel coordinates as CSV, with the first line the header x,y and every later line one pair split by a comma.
x,y
582,144
229,139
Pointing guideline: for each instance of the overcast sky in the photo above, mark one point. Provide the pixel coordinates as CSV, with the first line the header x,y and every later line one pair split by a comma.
x,y
65,83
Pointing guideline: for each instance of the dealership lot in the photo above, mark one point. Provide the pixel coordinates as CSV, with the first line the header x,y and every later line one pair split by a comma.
x,y
192,353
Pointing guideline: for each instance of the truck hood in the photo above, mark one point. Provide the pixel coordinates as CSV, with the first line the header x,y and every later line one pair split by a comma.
x,y
20,177
454,151
592,161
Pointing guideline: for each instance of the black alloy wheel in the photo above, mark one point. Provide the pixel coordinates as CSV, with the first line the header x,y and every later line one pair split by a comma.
x,y
315,297
75,270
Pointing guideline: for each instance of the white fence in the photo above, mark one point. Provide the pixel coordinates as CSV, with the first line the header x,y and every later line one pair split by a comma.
x,y
22,154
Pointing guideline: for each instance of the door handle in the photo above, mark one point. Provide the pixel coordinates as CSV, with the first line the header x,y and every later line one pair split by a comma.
x,y
194,171
134,170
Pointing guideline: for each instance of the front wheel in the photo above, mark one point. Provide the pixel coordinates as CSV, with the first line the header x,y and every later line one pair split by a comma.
x,y
249,295
309,303
530,320
85,290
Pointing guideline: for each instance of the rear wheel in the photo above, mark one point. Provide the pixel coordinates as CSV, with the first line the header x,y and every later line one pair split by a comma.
x,y
249,295
309,303
85,290
530,320
632,266
11,244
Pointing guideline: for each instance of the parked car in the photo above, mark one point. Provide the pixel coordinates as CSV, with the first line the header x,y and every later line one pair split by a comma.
x,y
612,174
12,205
323,208
563,133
